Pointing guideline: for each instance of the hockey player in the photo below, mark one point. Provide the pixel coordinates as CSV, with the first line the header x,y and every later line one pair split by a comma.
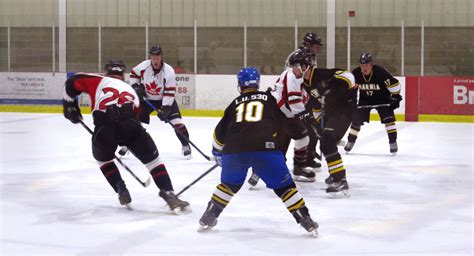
x,y
158,81
115,110
331,89
313,41
377,89
291,98
244,138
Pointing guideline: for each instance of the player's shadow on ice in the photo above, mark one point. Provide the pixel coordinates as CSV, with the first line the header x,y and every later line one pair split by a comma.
x,y
101,214
370,154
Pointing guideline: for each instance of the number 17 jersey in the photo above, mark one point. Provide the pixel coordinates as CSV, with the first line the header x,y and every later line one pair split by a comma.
x,y
249,124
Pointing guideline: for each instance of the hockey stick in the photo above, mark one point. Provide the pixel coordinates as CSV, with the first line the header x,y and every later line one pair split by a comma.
x,y
182,135
373,106
196,180
144,184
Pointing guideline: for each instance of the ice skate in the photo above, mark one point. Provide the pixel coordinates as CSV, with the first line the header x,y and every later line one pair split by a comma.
x,y
253,180
329,180
123,151
186,151
305,221
393,148
209,218
176,205
338,189
312,166
301,174
124,196
348,147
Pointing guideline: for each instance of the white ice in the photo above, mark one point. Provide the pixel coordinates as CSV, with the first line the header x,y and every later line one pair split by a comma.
x,y
55,201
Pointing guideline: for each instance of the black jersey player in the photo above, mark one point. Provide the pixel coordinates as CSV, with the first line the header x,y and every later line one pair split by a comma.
x,y
115,107
244,138
331,91
313,41
377,89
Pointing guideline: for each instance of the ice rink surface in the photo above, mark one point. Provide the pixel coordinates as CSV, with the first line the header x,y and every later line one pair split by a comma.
x,y
55,201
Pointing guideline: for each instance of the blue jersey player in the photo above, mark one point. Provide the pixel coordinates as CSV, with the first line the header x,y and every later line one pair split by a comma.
x,y
246,137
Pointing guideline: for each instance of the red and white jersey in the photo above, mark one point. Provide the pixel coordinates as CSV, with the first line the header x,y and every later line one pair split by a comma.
x,y
290,94
104,91
159,86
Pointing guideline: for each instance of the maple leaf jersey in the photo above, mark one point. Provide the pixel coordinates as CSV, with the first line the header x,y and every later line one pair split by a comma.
x,y
377,87
104,91
289,94
249,124
160,85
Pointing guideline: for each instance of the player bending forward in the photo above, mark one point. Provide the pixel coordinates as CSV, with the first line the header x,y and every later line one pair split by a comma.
x,y
244,138
114,110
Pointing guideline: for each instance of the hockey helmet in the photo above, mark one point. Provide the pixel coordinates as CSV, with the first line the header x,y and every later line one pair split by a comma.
x,y
114,67
155,50
301,56
248,77
312,39
365,58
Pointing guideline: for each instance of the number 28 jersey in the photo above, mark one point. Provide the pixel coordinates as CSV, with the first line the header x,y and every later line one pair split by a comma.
x,y
104,91
249,124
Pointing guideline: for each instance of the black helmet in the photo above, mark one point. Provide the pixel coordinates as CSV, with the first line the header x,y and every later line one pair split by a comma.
x,y
312,39
300,56
114,67
155,50
365,58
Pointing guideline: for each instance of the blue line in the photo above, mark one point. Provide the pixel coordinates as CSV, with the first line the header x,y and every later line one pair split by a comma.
x,y
30,101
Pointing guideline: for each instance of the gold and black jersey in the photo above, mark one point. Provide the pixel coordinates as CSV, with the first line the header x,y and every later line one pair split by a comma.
x,y
330,89
377,87
249,124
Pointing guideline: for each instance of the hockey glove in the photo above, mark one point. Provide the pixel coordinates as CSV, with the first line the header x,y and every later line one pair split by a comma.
x,y
395,101
164,113
140,90
71,111
306,117
217,156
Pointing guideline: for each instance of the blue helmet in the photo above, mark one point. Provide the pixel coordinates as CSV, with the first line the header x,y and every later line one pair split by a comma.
x,y
248,77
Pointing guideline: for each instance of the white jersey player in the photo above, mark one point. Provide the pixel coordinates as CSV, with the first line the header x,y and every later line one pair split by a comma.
x,y
114,109
157,80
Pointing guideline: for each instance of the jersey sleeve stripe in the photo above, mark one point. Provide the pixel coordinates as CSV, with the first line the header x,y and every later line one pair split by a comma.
x,y
394,88
345,80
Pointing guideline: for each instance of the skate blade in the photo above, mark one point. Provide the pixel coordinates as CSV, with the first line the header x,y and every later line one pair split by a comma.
x,y
129,207
181,211
188,157
304,179
315,170
204,228
253,188
314,233
393,153
339,195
